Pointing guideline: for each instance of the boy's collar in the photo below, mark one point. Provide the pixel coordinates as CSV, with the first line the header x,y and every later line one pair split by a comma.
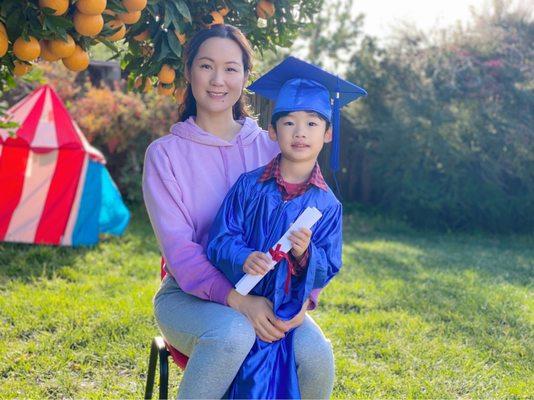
x,y
272,171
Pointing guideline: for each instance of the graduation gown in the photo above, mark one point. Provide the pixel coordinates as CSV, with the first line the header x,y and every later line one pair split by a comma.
x,y
253,217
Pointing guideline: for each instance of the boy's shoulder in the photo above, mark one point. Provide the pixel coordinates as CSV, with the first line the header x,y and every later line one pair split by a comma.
x,y
253,176
327,198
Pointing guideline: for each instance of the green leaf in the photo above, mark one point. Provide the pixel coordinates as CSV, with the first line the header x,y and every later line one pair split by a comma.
x,y
174,44
182,8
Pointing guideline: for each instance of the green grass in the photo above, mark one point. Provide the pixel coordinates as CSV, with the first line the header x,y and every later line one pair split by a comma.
x,y
412,315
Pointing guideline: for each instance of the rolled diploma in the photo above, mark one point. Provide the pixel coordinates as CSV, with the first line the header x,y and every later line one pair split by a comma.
x,y
306,220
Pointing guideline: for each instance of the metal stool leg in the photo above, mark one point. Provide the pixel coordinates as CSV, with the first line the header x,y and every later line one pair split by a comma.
x,y
163,369
157,349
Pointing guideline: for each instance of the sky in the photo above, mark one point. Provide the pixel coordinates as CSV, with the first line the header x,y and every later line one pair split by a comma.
x,y
381,15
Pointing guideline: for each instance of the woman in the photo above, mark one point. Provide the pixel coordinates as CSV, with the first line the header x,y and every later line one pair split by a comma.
x,y
187,175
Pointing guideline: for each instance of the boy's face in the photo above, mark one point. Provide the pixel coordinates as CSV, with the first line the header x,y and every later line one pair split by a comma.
x,y
301,135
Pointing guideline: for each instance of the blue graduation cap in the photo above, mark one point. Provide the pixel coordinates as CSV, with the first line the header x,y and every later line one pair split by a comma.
x,y
296,85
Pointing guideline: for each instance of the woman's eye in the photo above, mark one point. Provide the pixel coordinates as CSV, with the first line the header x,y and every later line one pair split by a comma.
x,y
231,69
206,66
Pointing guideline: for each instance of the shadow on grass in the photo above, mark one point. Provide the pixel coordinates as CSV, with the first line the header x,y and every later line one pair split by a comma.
x,y
403,253
26,262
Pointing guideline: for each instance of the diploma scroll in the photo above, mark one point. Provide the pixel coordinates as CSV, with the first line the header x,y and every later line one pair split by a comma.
x,y
306,220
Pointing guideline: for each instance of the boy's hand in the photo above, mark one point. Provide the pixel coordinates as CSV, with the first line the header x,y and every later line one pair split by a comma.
x,y
300,240
257,263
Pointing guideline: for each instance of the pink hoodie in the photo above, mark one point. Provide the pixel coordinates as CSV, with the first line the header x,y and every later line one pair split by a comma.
x,y
186,177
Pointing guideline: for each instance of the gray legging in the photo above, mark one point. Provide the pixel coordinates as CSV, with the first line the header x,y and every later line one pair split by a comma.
x,y
217,339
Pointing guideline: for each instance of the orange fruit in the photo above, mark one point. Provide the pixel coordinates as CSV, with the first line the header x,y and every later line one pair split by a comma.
x,y
114,24
265,9
142,36
27,50
3,29
91,7
181,37
130,17
179,94
46,54
60,6
61,48
4,44
88,25
217,18
134,5
21,68
166,74
78,61
165,89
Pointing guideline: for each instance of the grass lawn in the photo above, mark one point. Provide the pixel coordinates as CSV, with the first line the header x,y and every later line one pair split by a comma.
x,y
417,315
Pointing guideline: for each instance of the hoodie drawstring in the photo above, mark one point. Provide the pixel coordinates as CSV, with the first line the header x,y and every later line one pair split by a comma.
x,y
225,165
242,153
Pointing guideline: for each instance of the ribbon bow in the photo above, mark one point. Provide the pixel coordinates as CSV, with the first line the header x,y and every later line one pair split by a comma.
x,y
279,255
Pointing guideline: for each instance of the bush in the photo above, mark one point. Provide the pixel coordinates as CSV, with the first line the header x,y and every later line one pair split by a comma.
x,y
447,128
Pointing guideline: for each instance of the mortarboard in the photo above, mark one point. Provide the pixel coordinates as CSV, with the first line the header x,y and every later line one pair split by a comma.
x,y
296,85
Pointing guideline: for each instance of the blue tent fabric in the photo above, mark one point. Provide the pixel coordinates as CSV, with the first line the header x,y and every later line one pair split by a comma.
x,y
114,216
86,228
253,217
101,207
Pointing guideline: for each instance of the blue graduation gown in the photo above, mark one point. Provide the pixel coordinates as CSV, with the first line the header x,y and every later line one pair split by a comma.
x,y
253,217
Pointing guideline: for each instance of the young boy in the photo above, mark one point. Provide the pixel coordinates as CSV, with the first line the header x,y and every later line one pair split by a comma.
x,y
263,203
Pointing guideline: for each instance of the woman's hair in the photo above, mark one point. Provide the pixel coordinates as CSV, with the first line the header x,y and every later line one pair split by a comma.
x,y
189,105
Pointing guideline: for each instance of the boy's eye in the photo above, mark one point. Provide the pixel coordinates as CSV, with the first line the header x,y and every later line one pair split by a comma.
x,y
288,123
312,123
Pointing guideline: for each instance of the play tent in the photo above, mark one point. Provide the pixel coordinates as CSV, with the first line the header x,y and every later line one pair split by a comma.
x,y
54,186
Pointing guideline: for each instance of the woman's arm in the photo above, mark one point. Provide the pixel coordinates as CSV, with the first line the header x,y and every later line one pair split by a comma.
x,y
173,226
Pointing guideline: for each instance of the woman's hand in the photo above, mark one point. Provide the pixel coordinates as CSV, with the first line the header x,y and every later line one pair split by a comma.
x,y
294,322
259,312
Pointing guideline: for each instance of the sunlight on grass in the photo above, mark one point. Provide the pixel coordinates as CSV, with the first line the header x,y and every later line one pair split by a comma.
x,y
411,315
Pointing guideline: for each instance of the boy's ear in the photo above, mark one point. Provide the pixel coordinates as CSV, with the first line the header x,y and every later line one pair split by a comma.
x,y
272,133
328,135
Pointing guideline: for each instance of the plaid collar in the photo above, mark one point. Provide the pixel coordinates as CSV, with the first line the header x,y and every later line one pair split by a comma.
x,y
272,170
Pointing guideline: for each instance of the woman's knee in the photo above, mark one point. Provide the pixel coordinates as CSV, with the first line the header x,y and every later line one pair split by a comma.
x,y
314,354
235,337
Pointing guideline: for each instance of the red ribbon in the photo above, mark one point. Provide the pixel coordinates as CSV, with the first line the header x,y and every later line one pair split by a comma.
x,y
279,255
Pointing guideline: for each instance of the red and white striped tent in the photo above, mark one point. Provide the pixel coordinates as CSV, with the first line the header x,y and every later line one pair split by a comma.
x,y
54,188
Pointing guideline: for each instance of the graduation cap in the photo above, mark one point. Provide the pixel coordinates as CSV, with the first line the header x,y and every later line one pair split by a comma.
x,y
296,85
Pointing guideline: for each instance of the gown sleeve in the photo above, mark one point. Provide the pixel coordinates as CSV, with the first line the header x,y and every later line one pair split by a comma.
x,y
326,246
227,248
174,229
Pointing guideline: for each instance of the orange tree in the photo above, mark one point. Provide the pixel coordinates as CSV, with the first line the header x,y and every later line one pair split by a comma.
x,y
147,35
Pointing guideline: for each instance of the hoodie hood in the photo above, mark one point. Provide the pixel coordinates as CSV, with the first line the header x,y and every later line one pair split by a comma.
x,y
189,130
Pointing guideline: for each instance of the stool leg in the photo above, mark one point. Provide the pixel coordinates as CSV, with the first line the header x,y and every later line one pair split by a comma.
x,y
163,373
152,360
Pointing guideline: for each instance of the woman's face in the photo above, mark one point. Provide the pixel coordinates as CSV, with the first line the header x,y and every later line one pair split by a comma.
x,y
217,75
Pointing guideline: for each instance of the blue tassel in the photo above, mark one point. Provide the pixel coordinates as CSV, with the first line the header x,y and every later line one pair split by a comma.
x,y
334,156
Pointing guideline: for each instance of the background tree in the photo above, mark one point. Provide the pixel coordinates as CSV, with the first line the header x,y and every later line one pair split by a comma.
x,y
444,138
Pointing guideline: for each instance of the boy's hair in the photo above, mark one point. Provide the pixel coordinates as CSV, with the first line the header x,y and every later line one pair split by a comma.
x,y
277,116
